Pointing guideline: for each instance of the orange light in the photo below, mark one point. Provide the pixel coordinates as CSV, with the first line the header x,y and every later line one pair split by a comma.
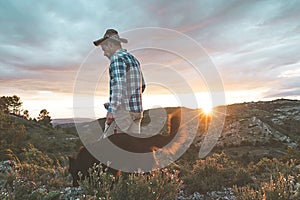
x,y
207,109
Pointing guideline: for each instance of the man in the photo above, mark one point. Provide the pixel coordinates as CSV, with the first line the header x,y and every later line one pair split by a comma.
x,y
126,84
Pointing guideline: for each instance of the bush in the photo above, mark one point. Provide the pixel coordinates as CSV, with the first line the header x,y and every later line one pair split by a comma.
x,y
12,134
273,167
159,184
98,184
242,177
281,188
210,174
275,180
33,167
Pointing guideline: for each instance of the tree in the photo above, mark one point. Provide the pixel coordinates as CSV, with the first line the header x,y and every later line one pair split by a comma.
x,y
4,104
43,113
26,114
16,104
10,104
44,118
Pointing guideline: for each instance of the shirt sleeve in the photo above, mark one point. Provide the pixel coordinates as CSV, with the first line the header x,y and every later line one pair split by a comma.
x,y
118,84
143,83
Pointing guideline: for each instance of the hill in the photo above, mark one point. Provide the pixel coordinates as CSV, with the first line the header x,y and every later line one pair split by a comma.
x,y
259,140
264,128
67,122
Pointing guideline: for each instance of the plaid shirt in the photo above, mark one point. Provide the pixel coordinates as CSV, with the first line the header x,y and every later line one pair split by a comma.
x,y
126,82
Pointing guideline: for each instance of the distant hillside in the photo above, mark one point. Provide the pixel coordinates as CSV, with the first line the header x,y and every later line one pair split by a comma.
x,y
17,133
264,128
63,122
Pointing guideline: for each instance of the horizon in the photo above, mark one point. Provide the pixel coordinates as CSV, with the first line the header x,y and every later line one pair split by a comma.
x,y
86,119
83,118
252,45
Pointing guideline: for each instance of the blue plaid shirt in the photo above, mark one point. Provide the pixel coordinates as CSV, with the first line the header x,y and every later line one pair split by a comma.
x,y
126,82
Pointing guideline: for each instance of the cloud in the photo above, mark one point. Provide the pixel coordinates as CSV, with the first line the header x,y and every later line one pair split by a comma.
x,y
283,93
254,44
290,73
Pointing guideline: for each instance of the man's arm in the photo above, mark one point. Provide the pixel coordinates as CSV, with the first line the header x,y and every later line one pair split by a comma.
x,y
109,118
118,85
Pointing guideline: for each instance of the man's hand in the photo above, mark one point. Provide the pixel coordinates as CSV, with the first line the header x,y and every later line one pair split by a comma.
x,y
109,118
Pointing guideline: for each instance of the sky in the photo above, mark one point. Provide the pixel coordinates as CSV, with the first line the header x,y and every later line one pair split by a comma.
x,y
253,45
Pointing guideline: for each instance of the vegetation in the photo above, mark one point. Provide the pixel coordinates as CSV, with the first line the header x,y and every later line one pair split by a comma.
x,y
37,155
159,184
33,175
10,104
44,118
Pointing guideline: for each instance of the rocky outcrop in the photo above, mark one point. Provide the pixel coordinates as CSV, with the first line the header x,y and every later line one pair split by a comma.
x,y
260,123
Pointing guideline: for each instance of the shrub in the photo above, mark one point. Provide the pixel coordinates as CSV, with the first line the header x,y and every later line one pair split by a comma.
x,y
12,134
99,182
281,188
273,167
159,184
33,167
23,188
210,174
242,177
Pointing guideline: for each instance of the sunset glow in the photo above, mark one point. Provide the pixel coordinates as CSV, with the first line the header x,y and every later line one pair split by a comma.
x,y
254,45
207,109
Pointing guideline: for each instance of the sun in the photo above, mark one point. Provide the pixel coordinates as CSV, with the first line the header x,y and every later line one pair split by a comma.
x,y
207,109
205,102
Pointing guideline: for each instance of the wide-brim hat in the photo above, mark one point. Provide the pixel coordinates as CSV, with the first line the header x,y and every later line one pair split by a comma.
x,y
111,34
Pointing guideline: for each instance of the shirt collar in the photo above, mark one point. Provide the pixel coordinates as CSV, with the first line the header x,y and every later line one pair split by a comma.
x,y
117,52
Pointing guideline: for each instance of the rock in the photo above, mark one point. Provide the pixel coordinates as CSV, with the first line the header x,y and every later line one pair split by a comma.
x,y
71,193
7,166
197,196
226,194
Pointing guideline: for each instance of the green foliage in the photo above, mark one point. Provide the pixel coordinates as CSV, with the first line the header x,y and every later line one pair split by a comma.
x,y
12,134
26,114
280,188
34,156
292,153
210,174
39,151
44,118
23,188
52,195
272,167
36,165
159,184
10,104
275,180
39,167
17,132
98,183
241,177
15,136
33,170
